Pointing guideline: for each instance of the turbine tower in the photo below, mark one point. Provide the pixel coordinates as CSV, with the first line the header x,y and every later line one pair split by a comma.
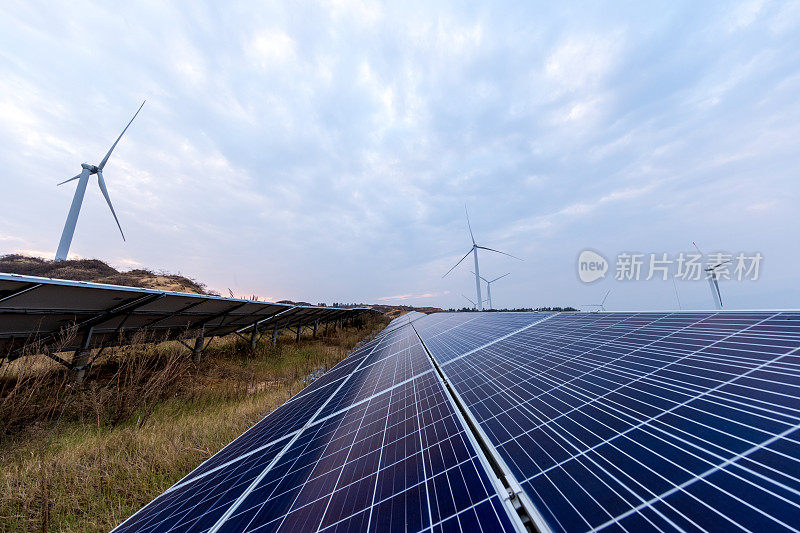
x,y
489,287
474,252
713,281
80,191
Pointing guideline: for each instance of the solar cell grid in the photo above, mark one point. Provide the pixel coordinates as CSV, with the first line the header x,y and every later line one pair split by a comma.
x,y
192,506
645,420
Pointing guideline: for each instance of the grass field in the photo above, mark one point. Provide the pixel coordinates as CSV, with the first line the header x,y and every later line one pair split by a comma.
x,y
85,458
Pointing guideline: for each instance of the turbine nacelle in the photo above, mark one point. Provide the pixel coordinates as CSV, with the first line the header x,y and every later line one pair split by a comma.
x,y
91,168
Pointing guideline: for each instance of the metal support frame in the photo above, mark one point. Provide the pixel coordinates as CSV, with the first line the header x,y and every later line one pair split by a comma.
x,y
19,292
121,309
222,314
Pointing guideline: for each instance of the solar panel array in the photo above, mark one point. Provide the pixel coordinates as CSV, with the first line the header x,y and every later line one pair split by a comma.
x,y
41,314
601,421
376,444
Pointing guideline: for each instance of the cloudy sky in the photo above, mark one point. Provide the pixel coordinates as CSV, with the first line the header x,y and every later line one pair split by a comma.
x,y
325,151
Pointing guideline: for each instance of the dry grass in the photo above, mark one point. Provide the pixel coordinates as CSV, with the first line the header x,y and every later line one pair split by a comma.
x,y
84,459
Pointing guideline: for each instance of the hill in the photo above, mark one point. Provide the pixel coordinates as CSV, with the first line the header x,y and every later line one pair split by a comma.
x,y
97,271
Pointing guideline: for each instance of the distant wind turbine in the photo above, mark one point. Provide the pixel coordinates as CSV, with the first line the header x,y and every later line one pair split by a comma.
x,y
713,281
489,287
468,299
80,191
602,305
474,252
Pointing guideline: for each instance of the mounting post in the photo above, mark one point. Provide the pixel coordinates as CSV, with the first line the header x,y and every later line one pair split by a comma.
x,y
314,334
80,360
275,335
197,351
253,339
297,338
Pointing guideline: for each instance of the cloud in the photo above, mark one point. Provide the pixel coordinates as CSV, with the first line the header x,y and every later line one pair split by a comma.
x,y
402,297
271,48
325,152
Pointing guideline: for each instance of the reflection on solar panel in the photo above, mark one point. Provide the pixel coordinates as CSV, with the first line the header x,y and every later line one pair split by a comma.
x,y
508,421
44,315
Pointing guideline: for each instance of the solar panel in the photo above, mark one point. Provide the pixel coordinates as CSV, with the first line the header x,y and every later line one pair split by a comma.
x,y
603,421
631,421
45,315
379,447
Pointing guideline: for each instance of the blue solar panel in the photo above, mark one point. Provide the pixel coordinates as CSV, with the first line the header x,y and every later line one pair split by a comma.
x,y
641,420
379,446
613,421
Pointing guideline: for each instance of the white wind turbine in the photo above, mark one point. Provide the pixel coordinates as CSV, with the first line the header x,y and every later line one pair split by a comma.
x,y
474,252
80,191
602,305
489,287
713,281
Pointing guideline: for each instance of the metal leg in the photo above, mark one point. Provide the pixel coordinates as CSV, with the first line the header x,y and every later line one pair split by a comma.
x,y
80,361
314,334
198,349
253,338
297,338
275,335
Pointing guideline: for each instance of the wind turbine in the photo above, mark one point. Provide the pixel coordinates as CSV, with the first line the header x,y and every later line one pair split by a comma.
x,y
602,305
80,191
489,287
713,282
474,252
468,299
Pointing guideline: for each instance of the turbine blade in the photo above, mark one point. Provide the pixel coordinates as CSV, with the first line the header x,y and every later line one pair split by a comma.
x,y
105,159
459,262
504,275
719,294
67,181
468,299
696,247
720,264
102,183
471,236
604,298
484,279
499,252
